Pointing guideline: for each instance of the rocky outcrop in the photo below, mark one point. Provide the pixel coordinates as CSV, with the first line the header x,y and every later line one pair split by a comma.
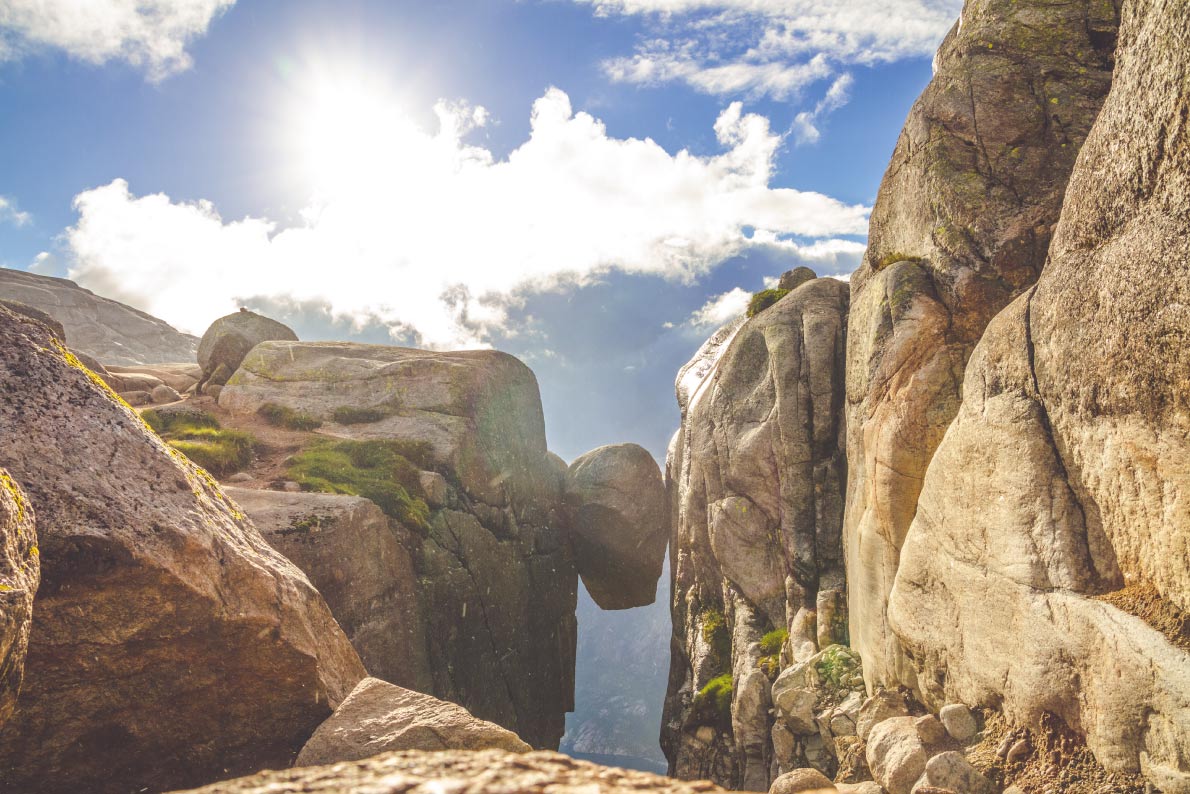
x,y
230,338
105,329
170,644
378,717
361,564
1060,488
961,226
756,475
618,515
20,572
493,562
460,772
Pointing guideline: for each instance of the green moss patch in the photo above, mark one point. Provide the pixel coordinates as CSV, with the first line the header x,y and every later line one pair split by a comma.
x,y
893,258
381,470
718,637
764,299
712,704
348,415
198,436
284,416
770,646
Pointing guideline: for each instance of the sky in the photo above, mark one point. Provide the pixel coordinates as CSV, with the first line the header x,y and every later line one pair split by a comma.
x,y
591,185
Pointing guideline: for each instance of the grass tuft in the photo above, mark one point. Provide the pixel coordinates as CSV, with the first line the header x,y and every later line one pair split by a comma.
x,y
764,299
712,704
379,470
348,415
284,416
198,436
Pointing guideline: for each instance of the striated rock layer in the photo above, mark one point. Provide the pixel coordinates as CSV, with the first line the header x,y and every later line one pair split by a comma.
x,y
495,573
1066,474
459,772
961,226
170,644
100,327
756,474
20,572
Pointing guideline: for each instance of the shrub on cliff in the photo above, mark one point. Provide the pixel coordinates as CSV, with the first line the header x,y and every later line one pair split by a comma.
x,y
764,299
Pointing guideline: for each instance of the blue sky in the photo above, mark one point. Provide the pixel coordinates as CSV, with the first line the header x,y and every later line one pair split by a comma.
x,y
288,155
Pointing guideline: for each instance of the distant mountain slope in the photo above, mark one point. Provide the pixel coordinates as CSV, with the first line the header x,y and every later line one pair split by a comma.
x,y
110,331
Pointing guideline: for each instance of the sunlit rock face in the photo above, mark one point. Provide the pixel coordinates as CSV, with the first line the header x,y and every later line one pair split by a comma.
x,y
20,572
493,568
170,644
756,475
961,226
1057,503
229,339
99,327
618,516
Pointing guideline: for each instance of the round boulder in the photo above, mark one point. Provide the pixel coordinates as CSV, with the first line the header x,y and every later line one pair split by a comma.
x,y
229,339
619,524
799,781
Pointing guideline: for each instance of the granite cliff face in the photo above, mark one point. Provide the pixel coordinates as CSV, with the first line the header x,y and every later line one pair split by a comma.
x,y
756,475
1058,497
170,645
492,572
99,327
961,226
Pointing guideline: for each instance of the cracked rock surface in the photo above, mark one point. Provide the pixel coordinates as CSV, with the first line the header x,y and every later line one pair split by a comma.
x,y
961,226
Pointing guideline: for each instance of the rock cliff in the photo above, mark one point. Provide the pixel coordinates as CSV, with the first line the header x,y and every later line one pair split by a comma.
x,y
961,226
495,577
100,327
1047,571
170,644
756,475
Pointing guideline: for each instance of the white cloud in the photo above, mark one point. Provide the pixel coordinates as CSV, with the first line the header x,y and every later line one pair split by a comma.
x,y
805,124
440,236
10,214
150,34
721,309
772,47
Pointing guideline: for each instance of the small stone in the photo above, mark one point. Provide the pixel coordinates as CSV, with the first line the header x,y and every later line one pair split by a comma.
x,y
802,780
953,772
1020,751
930,729
796,707
958,721
240,476
164,394
841,725
1005,746
289,486
434,486
878,708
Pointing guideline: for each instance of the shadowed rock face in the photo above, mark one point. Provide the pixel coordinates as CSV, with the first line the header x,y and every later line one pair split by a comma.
x,y
460,772
19,575
361,563
961,226
619,524
105,329
756,473
1066,472
494,569
170,645
378,717
229,339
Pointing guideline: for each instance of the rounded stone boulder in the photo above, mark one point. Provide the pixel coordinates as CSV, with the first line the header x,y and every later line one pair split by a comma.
x,y
231,338
802,781
619,524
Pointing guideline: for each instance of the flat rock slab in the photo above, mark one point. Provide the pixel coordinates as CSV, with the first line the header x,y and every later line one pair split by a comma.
x,y
378,717
459,772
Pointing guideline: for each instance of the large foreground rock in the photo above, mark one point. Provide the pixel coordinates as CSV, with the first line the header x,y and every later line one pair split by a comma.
x,y
494,565
170,644
460,772
961,226
619,524
361,564
1067,471
230,338
378,717
105,329
20,572
756,473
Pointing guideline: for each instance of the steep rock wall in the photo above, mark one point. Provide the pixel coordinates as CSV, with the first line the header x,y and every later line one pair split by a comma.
x,y
756,475
1060,496
961,226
